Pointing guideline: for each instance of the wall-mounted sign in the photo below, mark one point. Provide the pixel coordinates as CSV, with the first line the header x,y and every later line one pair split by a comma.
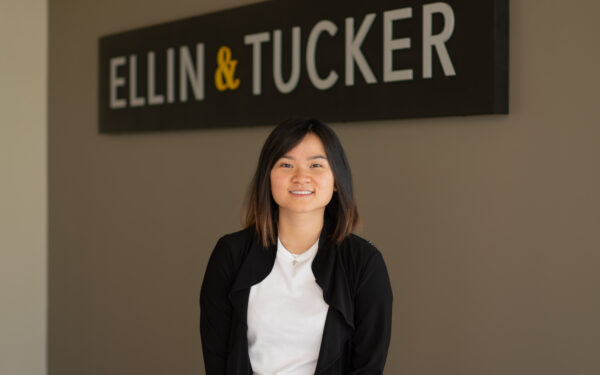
x,y
334,60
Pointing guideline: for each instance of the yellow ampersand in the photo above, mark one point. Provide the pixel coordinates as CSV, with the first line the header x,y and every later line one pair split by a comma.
x,y
224,75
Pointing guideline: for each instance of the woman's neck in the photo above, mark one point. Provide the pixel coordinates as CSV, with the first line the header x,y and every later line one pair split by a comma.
x,y
298,232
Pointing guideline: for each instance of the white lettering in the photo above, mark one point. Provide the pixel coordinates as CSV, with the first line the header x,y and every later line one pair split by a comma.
x,y
256,40
353,52
438,41
290,85
311,66
116,82
134,100
390,45
188,73
153,99
170,75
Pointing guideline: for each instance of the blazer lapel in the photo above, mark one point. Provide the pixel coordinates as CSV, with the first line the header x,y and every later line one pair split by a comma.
x,y
331,277
339,324
256,266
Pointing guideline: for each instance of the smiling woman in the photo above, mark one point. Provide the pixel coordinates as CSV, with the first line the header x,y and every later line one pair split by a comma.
x,y
302,180
296,292
297,144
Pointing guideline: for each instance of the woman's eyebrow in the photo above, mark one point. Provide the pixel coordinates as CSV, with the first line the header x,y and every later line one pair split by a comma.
x,y
309,158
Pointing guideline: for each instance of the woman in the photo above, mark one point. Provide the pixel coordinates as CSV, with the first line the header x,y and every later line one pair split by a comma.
x,y
296,292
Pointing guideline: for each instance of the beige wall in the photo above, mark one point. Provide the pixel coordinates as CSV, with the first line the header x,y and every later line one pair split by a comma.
x,y
489,224
23,197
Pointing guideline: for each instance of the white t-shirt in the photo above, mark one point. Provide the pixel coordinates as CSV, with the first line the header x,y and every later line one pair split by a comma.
x,y
286,316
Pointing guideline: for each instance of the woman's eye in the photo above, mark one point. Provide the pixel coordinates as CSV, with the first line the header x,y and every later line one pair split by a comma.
x,y
286,165
316,165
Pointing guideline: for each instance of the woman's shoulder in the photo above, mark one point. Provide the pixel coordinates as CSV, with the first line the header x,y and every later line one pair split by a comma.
x,y
358,250
240,236
233,246
359,244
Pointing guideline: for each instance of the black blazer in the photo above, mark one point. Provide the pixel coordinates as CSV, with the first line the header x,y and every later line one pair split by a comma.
x,y
355,285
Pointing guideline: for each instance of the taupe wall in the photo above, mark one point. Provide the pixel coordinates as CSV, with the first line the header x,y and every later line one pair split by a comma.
x,y
489,224
23,187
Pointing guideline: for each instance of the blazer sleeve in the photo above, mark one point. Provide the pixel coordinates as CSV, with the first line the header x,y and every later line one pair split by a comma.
x,y
373,318
215,309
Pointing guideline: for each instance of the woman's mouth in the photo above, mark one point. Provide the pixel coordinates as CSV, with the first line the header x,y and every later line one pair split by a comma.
x,y
302,192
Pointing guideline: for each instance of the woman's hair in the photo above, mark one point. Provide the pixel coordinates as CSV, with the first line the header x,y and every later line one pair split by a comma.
x,y
261,210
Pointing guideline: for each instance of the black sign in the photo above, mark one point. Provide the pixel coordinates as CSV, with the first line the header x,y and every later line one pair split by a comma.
x,y
334,60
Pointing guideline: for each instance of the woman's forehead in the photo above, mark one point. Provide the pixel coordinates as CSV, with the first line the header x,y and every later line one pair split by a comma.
x,y
309,147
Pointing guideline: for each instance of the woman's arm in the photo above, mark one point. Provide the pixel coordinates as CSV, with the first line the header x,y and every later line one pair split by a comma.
x,y
215,309
372,319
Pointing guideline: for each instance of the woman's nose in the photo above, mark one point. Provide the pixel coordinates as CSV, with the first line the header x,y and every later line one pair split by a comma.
x,y
301,176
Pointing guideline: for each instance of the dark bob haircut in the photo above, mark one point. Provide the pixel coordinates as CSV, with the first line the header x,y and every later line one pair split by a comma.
x,y
260,209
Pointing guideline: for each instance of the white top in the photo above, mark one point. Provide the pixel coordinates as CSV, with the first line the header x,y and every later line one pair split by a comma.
x,y
286,316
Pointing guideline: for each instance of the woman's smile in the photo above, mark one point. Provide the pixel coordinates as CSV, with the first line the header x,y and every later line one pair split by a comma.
x,y
302,192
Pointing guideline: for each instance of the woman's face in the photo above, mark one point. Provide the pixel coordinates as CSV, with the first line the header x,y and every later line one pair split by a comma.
x,y
302,180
